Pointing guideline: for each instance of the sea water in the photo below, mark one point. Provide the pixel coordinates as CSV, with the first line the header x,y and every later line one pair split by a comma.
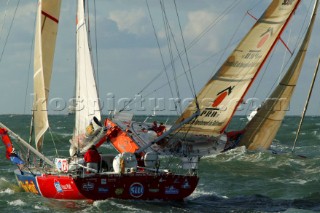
x,y
235,181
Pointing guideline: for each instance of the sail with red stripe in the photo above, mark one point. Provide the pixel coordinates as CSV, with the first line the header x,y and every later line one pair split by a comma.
x,y
263,127
222,94
46,32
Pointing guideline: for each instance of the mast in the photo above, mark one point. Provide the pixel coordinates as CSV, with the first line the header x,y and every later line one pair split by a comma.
x,y
222,94
306,104
263,127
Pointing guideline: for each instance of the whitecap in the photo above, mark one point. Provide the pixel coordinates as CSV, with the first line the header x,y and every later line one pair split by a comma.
x,y
60,127
127,207
17,203
41,208
199,193
298,181
7,191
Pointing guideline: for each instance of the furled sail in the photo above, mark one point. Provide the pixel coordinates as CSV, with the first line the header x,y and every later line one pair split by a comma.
x,y
87,102
46,32
261,130
222,94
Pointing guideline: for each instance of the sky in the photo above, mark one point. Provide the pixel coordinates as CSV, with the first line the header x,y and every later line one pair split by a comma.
x,y
127,57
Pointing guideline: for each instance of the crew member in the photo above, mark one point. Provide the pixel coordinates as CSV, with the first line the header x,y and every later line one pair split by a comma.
x,y
154,126
161,129
92,159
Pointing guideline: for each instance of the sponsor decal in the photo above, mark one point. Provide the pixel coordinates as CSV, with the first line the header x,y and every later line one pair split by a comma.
x,y
119,191
88,186
136,190
29,186
103,181
103,190
154,190
221,96
66,187
57,186
264,37
185,185
62,164
161,180
171,191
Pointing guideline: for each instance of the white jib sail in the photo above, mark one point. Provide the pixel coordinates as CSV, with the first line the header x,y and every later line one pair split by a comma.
x,y
87,102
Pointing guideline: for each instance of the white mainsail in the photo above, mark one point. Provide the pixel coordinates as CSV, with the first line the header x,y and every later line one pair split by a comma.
x,y
262,129
223,93
87,102
46,32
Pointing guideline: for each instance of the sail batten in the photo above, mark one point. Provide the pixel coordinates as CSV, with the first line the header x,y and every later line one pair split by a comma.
x,y
262,128
45,38
225,90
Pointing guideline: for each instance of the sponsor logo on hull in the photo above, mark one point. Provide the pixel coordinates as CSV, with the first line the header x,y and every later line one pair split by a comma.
x,y
136,190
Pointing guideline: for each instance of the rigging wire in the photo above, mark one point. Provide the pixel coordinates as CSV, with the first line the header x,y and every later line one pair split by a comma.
x,y
96,42
162,59
306,105
4,19
6,39
191,84
30,61
53,141
167,30
190,45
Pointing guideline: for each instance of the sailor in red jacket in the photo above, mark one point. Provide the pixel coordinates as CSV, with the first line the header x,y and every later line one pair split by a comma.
x,y
92,159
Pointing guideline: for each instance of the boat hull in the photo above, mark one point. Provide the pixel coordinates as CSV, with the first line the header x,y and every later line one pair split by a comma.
x,y
49,186
136,185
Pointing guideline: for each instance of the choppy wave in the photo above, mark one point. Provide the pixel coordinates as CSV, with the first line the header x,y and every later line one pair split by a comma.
x,y
277,180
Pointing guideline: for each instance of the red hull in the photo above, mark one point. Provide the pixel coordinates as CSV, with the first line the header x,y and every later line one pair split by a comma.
x,y
142,186
58,187
137,186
